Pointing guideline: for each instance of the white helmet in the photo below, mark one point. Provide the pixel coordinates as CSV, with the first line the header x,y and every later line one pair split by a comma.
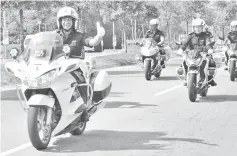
x,y
154,22
232,24
198,22
67,11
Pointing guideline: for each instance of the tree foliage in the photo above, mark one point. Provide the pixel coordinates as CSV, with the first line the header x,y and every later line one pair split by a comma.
x,y
175,16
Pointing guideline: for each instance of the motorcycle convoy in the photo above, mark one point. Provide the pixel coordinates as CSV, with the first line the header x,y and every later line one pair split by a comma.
x,y
52,96
149,50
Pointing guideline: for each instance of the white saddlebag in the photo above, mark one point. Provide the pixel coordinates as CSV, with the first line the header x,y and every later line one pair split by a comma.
x,y
101,85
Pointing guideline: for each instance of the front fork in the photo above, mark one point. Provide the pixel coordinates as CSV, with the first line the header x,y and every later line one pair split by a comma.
x,y
22,98
25,107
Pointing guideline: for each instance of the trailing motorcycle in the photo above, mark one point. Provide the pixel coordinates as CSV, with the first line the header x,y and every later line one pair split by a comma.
x,y
51,91
231,51
194,60
149,54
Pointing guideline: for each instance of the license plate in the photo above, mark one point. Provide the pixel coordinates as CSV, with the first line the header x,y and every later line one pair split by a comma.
x,y
40,53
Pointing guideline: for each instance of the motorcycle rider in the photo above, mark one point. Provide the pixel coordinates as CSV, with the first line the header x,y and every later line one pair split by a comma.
x,y
67,24
159,37
231,39
199,41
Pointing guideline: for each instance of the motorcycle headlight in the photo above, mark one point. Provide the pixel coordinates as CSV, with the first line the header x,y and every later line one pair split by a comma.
x,y
42,81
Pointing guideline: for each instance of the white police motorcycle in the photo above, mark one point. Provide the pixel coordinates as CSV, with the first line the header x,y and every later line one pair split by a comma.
x,y
49,93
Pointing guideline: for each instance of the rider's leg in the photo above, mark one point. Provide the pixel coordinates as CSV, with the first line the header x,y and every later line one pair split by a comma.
x,y
226,60
83,91
202,73
185,72
154,62
212,64
162,63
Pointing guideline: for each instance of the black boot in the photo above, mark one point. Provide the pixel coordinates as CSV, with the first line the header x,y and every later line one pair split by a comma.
x,y
212,82
162,64
200,82
85,116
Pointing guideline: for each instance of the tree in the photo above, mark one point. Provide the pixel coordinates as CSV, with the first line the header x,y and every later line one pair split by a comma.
x,y
224,12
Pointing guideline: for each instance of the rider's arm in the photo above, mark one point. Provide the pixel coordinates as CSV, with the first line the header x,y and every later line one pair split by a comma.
x,y
160,36
97,39
186,43
92,41
210,41
162,40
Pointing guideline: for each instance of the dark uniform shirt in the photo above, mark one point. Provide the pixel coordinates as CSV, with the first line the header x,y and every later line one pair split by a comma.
x,y
76,41
201,41
155,35
232,36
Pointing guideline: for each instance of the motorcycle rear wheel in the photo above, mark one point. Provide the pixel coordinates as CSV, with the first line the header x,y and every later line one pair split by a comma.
x,y
37,129
192,91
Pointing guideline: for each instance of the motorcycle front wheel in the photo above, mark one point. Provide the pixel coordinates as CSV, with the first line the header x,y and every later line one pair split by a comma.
x,y
232,69
192,91
39,132
147,69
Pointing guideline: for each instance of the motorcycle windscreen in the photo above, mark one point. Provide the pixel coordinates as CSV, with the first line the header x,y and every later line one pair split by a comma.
x,y
43,48
149,47
193,61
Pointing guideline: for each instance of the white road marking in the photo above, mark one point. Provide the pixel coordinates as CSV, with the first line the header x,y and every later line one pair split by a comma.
x,y
16,149
168,90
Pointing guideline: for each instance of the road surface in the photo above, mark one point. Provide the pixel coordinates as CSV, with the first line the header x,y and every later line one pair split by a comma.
x,y
141,118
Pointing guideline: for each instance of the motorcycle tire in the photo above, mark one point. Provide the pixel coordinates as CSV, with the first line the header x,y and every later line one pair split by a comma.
x,y
232,70
192,91
80,129
33,128
147,69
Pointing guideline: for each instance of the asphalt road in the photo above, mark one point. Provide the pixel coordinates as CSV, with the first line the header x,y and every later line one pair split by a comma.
x,y
141,118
